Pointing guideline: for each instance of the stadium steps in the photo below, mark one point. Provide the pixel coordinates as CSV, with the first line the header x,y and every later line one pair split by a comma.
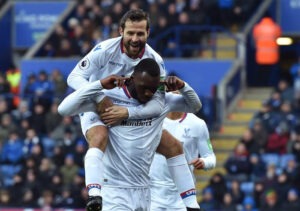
x,y
232,129
224,47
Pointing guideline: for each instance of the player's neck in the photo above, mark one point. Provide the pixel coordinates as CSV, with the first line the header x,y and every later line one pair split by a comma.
x,y
175,115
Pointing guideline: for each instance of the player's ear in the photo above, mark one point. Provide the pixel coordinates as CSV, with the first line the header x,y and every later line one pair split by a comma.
x,y
121,31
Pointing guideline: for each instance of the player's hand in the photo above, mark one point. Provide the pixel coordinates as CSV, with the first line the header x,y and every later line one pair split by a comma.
x,y
173,83
198,163
113,81
114,115
103,105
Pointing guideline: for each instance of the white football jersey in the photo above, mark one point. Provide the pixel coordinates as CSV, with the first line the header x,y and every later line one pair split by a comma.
x,y
193,133
133,143
107,58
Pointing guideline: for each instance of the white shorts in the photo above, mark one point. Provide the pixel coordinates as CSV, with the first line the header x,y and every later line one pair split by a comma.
x,y
125,199
89,120
165,198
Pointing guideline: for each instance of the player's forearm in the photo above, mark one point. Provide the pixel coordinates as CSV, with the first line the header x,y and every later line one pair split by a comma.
x,y
81,100
191,98
152,108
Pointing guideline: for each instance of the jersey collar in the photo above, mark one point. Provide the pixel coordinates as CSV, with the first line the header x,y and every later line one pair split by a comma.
x,y
126,92
183,117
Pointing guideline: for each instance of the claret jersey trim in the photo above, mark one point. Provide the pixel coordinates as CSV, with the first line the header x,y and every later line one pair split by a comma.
x,y
183,118
126,92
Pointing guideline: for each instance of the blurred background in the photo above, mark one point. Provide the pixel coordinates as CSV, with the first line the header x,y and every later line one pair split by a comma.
x,y
242,58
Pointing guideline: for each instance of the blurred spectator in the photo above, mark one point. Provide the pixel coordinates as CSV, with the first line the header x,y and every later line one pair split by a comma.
x,y
4,86
4,107
285,90
208,201
59,83
271,202
27,199
58,134
6,126
79,152
250,143
258,193
237,165
292,171
228,204
278,140
293,202
43,90
218,185
12,150
258,167
283,184
5,199
249,204
69,169
46,171
21,112
269,181
52,118
37,119
30,140
29,89
260,135
236,192
295,144
66,200
13,76
46,200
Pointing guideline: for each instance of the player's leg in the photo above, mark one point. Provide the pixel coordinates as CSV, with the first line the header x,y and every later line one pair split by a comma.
x,y
172,149
96,135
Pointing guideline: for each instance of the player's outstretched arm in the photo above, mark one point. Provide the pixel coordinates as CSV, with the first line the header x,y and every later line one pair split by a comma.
x,y
89,97
188,101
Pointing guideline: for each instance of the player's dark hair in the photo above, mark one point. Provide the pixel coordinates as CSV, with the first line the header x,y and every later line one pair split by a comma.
x,y
135,15
149,66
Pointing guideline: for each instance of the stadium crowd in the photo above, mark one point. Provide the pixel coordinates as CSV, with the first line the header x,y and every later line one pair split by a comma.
x,y
96,20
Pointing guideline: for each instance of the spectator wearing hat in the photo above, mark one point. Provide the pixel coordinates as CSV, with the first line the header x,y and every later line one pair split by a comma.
x,y
271,202
249,204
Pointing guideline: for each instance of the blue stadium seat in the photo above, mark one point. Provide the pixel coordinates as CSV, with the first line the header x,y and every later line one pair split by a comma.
x,y
284,159
271,158
247,187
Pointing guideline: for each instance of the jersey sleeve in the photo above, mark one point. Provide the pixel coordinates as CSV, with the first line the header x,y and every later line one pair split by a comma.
x,y
205,147
81,73
152,108
81,100
188,101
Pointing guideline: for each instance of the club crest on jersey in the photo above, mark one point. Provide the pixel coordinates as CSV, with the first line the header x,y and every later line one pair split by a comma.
x,y
186,133
84,64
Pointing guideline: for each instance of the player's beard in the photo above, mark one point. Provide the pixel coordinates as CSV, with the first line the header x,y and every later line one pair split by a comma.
x,y
134,49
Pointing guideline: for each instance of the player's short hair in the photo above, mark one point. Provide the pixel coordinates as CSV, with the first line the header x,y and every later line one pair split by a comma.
x,y
149,66
135,15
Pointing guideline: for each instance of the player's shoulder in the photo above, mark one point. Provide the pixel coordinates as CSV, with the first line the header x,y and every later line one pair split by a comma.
x,y
151,53
107,46
194,118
